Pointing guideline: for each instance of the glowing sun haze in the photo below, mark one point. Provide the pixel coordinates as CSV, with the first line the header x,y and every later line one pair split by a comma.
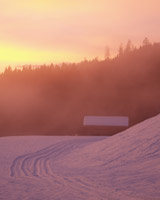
x,y
45,31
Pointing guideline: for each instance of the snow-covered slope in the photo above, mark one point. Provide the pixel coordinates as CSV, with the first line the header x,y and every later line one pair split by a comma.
x,y
124,166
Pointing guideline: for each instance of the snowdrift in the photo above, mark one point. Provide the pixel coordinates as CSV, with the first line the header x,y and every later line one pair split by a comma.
x,y
124,166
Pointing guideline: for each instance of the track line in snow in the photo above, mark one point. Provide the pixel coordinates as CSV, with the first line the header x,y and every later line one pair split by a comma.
x,y
39,163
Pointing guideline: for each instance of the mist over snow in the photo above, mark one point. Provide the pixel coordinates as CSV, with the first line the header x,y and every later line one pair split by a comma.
x,y
125,166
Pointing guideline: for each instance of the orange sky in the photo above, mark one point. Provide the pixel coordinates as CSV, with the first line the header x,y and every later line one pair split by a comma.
x,y
44,31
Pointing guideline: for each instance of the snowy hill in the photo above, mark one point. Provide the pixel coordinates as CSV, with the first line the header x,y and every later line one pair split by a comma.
x,y
124,166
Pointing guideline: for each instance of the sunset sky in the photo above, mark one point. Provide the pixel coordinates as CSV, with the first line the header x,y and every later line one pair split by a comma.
x,y
45,31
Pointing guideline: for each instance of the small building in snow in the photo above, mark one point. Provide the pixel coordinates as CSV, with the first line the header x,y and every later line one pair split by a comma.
x,y
104,125
105,121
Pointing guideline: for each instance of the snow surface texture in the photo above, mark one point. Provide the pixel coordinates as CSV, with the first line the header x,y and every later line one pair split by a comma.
x,y
125,166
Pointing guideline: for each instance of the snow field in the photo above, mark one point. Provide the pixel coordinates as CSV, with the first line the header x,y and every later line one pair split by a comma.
x,y
125,166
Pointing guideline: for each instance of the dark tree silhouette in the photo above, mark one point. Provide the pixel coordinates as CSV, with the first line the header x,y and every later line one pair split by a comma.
x,y
53,99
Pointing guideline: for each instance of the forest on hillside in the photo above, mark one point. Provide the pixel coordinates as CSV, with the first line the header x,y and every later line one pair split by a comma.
x,y
53,99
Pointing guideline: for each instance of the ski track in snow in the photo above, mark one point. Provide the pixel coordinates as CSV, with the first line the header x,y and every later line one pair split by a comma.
x,y
38,163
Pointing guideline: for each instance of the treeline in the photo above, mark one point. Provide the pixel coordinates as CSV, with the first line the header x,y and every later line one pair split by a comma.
x,y
53,99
